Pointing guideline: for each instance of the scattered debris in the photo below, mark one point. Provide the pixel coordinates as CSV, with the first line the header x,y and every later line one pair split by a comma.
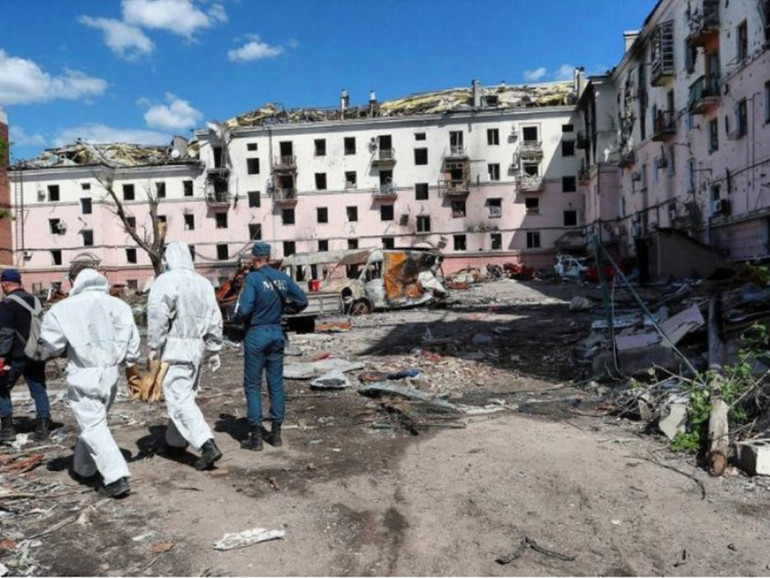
x,y
527,543
248,538
335,379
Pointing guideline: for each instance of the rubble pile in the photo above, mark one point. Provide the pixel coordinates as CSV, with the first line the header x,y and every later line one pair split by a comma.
x,y
112,155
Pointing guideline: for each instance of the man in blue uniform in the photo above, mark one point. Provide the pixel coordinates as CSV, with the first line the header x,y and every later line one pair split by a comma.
x,y
260,305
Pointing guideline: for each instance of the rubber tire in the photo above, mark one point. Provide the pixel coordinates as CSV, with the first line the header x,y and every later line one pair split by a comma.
x,y
360,307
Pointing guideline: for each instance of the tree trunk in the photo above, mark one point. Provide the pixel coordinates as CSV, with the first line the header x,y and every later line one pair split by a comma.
x,y
719,429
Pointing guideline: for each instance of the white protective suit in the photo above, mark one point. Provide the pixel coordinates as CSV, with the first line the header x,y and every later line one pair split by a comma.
x,y
183,321
98,333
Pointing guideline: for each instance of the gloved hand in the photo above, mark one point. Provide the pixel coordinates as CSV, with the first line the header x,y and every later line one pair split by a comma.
x,y
214,363
153,355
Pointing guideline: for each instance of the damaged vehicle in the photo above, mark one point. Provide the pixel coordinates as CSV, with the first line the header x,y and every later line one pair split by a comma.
x,y
369,279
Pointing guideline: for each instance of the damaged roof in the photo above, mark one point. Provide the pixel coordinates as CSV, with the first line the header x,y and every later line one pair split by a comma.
x,y
114,155
498,97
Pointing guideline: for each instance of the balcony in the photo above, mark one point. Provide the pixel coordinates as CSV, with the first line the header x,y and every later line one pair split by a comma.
x,y
531,183
704,23
285,197
456,152
704,94
385,192
664,126
285,164
531,149
627,158
454,187
219,200
384,158
662,68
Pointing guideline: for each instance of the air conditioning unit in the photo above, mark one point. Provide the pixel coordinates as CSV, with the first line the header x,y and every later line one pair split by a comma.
x,y
721,207
27,255
40,195
514,132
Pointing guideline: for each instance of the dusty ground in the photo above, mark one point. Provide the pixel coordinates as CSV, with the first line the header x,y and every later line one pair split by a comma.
x,y
357,494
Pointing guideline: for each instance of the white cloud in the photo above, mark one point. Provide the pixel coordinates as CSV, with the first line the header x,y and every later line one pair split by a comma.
x,y
535,75
293,43
565,72
100,133
23,81
255,49
19,137
125,41
180,17
177,115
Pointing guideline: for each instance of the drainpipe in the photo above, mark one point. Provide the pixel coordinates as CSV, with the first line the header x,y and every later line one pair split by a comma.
x,y
272,174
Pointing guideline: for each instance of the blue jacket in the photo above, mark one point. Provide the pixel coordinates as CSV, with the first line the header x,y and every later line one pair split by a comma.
x,y
259,304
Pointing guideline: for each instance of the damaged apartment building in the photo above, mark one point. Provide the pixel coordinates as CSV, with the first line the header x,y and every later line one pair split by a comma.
x,y
486,174
675,141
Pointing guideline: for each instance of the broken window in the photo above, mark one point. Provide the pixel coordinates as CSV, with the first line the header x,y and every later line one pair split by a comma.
x,y
388,243
221,220
252,166
567,128
287,216
217,151
458,242
352,214
421,191
350,180
85,206
160,190
188,188
386,212
455,138
533,239
743,41
352,243
128,192
251,147
320,181
767,97
530,133
423,224
350,145
53,193
55,227
131,256
322,214
458,209
496,241
495,207
132,284
189,222
85,186
255,231
223,252
131,222
570,218
713,135
254,199
162,219
420,156
323,245
741,118
419,136
531,168
56,256
493,136
494,171
568,148
532,204
568,184
287,148
320,147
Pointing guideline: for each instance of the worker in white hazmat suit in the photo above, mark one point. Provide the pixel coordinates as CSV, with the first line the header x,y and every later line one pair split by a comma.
x,y
184,323
98,333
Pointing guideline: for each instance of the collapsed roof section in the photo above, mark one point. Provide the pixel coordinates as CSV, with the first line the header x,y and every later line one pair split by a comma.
x,y
446,101
116,155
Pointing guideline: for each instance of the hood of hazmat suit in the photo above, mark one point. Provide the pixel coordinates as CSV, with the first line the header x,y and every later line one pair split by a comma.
x,y
96,330
183,316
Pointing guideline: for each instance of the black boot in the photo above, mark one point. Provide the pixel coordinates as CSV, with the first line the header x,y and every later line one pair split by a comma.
x,y
43,429
274,437
117,489
209,454
254,441
7,433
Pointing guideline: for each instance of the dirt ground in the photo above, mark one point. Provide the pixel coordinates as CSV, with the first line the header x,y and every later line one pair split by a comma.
x,y
387,487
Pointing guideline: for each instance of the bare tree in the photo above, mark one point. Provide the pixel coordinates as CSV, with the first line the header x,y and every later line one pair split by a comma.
x,y
151,240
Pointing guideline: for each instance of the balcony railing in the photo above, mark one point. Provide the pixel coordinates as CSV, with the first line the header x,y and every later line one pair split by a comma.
x,y
454,188
662,68
285,163
385,191
220,199
531,148
285,196
704,22
384,157
457,152
531,183
664,126
704,93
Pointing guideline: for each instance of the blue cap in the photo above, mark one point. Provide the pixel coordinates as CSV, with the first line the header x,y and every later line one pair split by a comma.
x,y
260,249
10,276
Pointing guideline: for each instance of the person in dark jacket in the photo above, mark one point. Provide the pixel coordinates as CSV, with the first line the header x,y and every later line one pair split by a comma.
x,y
14,331
260,305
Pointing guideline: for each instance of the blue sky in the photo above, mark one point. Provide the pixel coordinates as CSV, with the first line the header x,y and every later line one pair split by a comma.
x,y
143,70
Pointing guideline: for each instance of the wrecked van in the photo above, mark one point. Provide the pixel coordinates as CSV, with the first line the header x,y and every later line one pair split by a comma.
x,y
369,279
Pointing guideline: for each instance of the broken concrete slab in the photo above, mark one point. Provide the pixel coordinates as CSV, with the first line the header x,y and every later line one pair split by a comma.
x,y
248,538
690,317
376,390
754,456
636,340
335,379
580,303
674,418
318,368
635,361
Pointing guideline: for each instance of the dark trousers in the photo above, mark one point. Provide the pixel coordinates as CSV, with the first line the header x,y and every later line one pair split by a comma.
x,y
263,351
34,375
